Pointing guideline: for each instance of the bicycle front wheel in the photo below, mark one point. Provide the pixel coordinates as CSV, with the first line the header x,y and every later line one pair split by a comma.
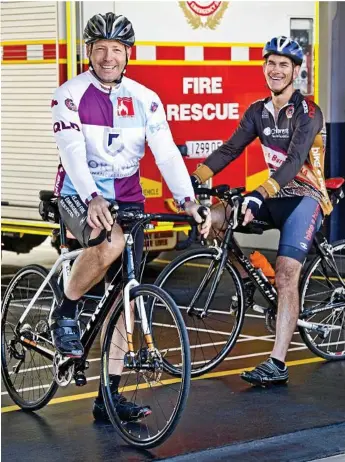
x,y
144,382
323,304
28,375
188,279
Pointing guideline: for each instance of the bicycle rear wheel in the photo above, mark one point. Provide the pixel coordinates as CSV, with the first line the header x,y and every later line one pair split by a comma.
x,y
144,382
28,375
211,338
323,303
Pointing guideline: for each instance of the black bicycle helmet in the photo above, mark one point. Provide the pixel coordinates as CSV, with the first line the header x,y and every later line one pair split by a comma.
x,y
109,26
284,46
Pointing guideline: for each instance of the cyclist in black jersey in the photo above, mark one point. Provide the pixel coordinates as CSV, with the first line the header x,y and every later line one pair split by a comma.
x,y
294,197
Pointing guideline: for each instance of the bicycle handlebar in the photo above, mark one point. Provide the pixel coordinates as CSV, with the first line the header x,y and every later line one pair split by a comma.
x,y
234,198
128,216
193,233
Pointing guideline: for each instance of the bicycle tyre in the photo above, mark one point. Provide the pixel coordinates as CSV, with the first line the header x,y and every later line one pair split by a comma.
x,y
145,290
31,403
187,258
311,339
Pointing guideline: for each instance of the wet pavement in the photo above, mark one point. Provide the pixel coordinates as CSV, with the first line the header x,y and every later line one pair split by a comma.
x,y
225,419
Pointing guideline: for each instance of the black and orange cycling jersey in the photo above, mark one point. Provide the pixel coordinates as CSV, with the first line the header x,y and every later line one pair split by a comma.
x,y
293,146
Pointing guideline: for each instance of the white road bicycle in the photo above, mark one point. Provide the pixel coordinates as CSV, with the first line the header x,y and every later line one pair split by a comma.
x,y
32,370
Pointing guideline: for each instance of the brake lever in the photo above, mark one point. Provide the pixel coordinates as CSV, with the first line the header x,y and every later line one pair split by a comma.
x,y
236,201
113,209
203,212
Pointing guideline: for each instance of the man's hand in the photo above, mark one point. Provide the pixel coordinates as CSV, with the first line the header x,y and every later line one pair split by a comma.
x,y
98,215
191,209
251,206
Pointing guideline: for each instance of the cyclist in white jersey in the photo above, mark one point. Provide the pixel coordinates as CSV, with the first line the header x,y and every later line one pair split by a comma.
x,y
101,120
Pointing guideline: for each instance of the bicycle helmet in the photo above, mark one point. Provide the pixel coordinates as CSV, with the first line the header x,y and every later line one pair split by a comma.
x,y
109,26
284,46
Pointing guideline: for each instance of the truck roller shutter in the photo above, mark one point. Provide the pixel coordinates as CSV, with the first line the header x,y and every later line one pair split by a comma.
x,y
29,35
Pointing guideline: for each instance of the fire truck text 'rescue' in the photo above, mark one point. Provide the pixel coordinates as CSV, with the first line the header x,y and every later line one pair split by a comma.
x,y
199,111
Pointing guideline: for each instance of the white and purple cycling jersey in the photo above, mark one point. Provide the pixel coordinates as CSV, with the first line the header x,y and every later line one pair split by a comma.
x,y
101,132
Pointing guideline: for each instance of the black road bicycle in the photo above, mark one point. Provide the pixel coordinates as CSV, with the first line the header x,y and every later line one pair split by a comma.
x,y
209,291
32,370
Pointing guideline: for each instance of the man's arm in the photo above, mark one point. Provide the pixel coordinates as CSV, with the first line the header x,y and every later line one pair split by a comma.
x,y
306,136
168,157
170,162
230,150
71,143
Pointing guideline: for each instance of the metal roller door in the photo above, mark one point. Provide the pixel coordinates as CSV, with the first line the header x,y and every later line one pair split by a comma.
x,y
29,78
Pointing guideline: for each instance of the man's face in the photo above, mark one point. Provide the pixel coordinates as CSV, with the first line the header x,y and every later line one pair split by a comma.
x,y
108,59
279,71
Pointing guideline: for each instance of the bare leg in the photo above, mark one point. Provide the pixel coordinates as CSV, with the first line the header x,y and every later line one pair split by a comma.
x,y
287,278
91,266
119,345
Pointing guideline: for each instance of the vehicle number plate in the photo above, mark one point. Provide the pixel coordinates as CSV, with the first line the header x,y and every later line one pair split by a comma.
x,y
198,149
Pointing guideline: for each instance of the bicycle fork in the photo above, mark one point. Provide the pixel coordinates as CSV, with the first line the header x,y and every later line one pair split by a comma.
x,y
142,315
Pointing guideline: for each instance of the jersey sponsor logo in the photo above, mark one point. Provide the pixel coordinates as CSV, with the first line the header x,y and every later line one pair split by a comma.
x,y
274,159
289,111
264,114
204,14
58,126
303,245
125,107
316,153
309,233
318,169
311,109
154,106
154,128
70,105
276,132
113,141
54,103
305,107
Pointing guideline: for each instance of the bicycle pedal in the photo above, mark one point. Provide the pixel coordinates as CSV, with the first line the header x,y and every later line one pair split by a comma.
x,y
80,379
259,309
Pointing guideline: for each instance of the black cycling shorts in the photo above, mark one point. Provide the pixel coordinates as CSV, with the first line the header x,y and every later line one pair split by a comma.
x,y
73,212
298,219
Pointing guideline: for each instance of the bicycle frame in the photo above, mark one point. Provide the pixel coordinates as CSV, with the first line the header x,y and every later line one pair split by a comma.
x,y
229,245
103,307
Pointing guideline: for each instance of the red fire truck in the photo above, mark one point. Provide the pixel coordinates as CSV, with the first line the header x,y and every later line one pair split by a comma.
x,y
204,59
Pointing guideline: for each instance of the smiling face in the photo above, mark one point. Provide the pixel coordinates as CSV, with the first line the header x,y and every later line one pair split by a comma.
x,y
108,59
279,72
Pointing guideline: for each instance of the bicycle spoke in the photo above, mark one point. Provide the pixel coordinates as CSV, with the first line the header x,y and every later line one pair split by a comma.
x,y
323,300
30,380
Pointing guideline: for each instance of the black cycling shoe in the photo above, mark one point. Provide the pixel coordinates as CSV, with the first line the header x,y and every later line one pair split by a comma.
x,y
249,290
127,411
265,374
66,337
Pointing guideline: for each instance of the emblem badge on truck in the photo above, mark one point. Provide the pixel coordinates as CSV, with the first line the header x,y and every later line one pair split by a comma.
x,y
204,14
